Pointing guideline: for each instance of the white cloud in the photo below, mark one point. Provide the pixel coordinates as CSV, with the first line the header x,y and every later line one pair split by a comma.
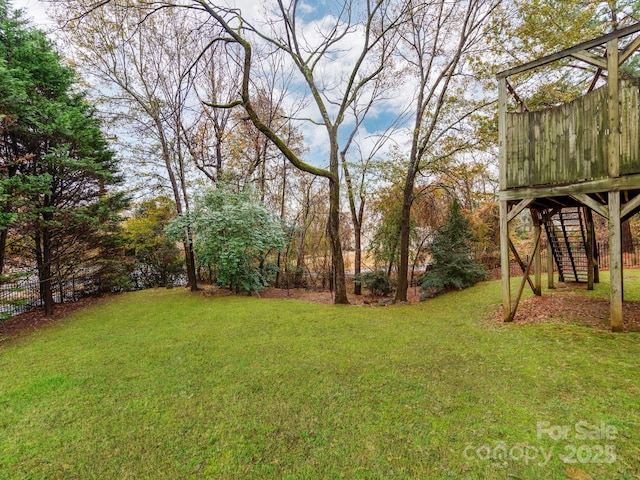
x,y
36,12
306,8
332,72
333,69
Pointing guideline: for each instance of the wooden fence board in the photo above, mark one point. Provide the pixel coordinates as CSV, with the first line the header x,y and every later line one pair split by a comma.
x,y
568,144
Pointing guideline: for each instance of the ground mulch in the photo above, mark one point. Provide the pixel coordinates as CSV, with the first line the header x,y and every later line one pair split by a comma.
x,y
568,306
325,296
31,321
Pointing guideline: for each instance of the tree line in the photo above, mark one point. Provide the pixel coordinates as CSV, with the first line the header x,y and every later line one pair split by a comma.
x,y
397,95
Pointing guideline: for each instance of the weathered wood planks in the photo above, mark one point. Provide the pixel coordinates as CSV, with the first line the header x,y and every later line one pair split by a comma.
x,y
569,144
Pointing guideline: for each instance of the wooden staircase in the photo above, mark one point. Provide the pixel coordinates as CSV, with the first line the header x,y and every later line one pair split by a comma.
x,y
567,234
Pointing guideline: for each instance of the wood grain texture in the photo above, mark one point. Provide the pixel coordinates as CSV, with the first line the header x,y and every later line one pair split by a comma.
x,y
571,143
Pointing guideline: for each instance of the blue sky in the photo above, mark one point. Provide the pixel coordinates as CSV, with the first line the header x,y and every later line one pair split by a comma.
x,y
315,136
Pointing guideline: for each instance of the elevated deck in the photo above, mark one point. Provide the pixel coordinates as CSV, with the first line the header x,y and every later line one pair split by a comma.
x,y
568,144
583,153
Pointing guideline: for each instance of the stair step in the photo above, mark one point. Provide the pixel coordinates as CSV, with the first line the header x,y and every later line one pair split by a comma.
x,y
567,241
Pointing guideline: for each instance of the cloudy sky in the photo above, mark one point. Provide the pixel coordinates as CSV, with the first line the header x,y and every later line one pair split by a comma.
x,y
315,135
35,10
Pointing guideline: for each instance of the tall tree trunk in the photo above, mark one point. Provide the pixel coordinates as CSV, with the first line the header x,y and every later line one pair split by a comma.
x,y
43,263
300,263
218,156
357,258
192,280
3,246
407,198
356,220
405,233
283,194
263,168
297,280
192,273
339,278
192,277
340,281
190,262
392,257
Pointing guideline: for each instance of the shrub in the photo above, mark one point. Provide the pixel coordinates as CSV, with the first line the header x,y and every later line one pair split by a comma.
x,y
377,282
157,259
234,234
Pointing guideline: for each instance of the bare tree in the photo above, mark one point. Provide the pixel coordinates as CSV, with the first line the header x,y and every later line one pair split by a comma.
x,y
206,137
340,53
439,38
144,61
371,22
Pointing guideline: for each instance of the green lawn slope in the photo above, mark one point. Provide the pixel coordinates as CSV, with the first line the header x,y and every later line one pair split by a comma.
x,y
168,384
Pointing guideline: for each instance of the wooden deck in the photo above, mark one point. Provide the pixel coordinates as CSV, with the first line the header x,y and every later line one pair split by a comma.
x,y
584,153
568,144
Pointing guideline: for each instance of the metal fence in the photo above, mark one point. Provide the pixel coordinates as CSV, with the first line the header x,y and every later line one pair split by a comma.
x,y
630,255
20,293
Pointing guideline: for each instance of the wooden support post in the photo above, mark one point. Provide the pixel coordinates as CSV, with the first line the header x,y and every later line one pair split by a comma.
x,y
590,249
504,205
546,218
615,261
516,302
613,151
504,262
502,132
537,266
613,105
596,255
550,274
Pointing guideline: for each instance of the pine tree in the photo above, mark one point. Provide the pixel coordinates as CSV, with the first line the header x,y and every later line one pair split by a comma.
x,y
453,267
55,165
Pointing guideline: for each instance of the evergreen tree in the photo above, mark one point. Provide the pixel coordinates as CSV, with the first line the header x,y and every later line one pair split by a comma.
x,y
55,166
453,267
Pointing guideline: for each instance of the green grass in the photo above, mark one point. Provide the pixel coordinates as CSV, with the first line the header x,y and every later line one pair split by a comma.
x,y
166,384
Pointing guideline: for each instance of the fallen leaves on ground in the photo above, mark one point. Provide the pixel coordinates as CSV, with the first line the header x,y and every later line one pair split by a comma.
x,y
569,306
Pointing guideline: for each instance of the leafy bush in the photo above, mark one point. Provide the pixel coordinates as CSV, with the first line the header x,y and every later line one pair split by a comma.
x,y
234,233
158,261
453,267
377,282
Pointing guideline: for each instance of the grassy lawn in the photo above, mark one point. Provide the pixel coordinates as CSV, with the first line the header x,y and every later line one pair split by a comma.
x,y
166,384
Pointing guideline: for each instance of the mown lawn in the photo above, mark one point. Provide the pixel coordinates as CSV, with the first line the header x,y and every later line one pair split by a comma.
x,y
166,384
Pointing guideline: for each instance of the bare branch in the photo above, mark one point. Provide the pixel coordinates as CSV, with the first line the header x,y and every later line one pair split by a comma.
x,y
235,103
